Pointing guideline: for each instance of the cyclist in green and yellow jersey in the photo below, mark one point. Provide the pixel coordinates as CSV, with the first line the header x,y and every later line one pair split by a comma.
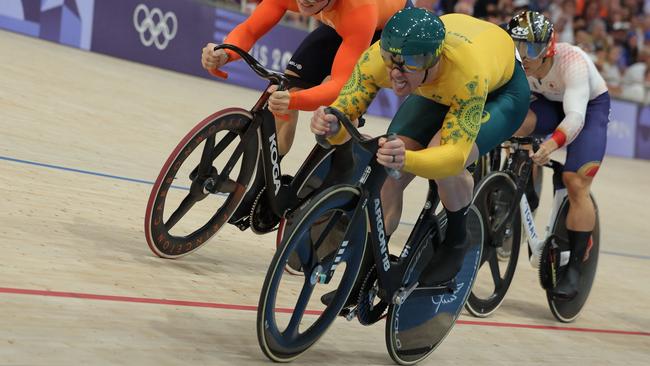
x,y
467,93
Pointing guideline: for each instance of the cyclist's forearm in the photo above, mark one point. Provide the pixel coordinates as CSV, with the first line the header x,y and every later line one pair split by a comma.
x,y
568,129
435,162
312,98
264,17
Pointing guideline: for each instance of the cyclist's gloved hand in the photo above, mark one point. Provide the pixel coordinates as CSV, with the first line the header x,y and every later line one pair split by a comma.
x,y
543,154
211,59
279,100
321,123
391,153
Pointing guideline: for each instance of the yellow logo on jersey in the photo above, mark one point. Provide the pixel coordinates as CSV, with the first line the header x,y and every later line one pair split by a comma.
x,y
395,50
485,116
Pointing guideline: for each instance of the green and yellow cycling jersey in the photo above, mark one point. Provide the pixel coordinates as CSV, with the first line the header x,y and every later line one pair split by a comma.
x,y
477,58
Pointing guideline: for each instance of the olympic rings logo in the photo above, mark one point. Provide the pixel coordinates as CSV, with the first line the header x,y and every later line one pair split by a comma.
x,y
155,28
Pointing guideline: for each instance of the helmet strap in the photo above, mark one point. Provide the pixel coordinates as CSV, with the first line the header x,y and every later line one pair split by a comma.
x,y
426,75
326,5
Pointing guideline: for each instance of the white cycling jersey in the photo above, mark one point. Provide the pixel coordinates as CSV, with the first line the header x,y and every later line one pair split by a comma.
x,y
573,80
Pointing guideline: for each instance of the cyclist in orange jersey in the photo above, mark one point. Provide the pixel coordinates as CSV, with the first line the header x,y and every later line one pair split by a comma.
x,y
332,49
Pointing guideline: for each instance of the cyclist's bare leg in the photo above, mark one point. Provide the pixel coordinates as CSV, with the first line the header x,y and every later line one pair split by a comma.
x,y
528,126
392,192
582,215
456,195
285,125
456,192
580,222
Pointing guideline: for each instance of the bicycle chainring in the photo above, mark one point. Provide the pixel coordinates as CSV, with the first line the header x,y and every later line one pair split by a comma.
x,y
262,219
369,312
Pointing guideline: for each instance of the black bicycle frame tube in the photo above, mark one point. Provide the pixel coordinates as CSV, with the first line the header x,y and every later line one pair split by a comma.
x,y
426,220
280,196
519,167
558,169
389,275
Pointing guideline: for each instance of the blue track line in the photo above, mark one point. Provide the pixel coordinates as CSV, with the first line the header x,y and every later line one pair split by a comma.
x,y
142,181
87,172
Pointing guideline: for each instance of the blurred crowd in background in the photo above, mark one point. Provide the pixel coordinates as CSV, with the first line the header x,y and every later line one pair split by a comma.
x,y
615,33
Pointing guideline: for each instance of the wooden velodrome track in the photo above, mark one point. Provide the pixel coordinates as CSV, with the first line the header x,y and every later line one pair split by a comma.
x,y
82,138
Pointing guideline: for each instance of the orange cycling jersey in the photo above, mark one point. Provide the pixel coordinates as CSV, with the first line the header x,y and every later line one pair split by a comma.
x,y
354,20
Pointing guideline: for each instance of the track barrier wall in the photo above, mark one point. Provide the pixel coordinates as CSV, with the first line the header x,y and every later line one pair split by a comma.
x,y
171,33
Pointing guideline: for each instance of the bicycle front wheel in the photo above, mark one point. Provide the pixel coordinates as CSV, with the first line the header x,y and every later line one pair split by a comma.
x,y
283,331
181,216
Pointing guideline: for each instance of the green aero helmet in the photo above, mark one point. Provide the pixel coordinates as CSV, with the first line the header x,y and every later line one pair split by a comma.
x,y
533,34
412,40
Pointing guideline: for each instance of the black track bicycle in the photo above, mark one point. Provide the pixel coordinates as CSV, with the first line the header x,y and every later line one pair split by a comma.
x,y
209,178
503,200
358,277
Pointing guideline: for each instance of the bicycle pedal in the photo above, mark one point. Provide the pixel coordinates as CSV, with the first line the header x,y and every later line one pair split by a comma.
x,y
242,224
403,293
349,313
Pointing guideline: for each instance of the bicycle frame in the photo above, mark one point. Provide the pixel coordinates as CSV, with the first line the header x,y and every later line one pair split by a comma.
x,y
534,240
280,196
519,166
390,274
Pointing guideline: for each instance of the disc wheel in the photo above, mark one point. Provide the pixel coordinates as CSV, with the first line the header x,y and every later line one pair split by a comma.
x,y
283,331
493,199
418,326
563,310
181,215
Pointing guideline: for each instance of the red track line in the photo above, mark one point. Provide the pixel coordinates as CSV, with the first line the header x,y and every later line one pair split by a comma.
x,y
201,304
195,304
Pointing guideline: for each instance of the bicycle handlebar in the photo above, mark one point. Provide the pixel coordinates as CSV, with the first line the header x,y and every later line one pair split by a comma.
x,y
526,140
272,76
341,117
354,133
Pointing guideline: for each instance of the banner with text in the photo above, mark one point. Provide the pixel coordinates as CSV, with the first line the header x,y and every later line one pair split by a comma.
x,y
171,33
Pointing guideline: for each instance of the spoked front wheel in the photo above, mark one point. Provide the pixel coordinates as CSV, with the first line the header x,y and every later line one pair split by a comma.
x,y
493,199
283,331
418,326
188,203
563,310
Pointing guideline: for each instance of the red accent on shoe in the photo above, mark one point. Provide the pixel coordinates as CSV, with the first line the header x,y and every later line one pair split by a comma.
x,y
590,245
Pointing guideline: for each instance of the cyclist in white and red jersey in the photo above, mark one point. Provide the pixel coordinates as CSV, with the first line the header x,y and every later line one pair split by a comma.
x,y
570,103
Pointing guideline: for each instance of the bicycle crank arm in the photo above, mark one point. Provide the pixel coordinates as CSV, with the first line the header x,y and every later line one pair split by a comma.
x,y
212,185
403,293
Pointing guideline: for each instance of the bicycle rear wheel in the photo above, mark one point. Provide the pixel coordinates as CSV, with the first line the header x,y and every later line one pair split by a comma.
x,y
418,326
568,311
493,199
283,339
193,215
